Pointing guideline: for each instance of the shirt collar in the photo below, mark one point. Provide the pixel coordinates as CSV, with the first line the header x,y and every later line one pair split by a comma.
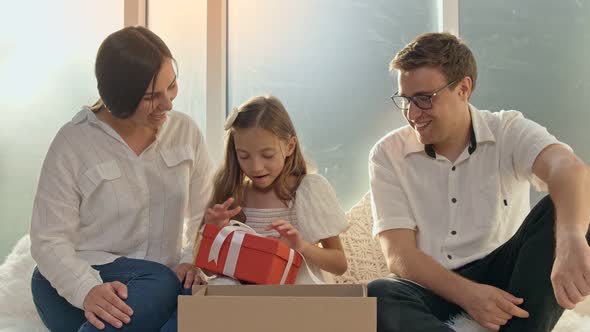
x,y
84,114
480,132
87,114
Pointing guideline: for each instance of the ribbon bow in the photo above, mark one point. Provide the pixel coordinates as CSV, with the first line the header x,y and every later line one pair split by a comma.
x,y
224,233
240,229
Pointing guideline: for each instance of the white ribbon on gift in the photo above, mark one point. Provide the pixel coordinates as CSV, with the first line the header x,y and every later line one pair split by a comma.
x,y
224,233
239,230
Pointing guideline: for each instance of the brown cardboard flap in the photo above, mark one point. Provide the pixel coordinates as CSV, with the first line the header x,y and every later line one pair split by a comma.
x,y
272,308
283,290
200,290
269,312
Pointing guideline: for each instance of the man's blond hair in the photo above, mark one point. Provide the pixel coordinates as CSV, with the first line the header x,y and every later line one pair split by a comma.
x,y
438,50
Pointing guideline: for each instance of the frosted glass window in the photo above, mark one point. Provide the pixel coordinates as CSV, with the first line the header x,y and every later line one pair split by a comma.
x,y
533,57
328,62
46,75
182,24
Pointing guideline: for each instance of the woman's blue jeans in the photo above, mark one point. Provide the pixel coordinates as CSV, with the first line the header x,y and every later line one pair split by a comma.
x,y
152,289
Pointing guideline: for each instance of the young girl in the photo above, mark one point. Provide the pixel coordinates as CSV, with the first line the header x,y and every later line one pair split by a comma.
x,y
264,183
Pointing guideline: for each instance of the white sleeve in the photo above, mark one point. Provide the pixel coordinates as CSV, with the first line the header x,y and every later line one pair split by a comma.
x,y
525,139
319,213
200,190
389,203
55,223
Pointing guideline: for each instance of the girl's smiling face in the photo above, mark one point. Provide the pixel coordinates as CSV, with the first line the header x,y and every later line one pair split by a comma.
x,y
261,155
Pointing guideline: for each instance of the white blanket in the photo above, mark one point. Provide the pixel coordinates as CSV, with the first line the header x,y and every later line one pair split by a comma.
x,y
17,311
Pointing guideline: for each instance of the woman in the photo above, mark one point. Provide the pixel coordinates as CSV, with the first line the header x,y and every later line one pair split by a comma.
x,y
117,184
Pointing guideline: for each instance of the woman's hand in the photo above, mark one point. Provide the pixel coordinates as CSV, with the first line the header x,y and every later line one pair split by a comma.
x,y
219,213
288,234
190,274
106,302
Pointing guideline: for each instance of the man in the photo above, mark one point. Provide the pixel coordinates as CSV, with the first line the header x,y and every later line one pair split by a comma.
x,y
450,192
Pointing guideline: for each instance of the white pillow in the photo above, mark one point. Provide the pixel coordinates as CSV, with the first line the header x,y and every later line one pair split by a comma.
x,y
363,252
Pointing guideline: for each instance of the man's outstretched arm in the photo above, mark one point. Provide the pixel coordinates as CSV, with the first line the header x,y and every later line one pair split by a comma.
x,y
568,181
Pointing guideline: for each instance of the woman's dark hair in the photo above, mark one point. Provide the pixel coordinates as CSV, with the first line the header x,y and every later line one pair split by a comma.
x,y
126,62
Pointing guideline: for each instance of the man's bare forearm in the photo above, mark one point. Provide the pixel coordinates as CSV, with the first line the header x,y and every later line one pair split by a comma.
x,y
418,267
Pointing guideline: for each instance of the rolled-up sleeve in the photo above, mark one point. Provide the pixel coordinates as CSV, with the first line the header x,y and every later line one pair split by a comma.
x,y
389,203
525,140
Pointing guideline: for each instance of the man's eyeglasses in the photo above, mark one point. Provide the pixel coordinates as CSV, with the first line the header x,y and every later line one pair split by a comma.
x,y
424,102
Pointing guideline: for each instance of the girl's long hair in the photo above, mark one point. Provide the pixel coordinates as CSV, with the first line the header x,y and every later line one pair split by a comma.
x,y
268,113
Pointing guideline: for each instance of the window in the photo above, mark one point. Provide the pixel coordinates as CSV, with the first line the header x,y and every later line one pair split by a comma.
x,y
328,63
182,25
532,66
47,71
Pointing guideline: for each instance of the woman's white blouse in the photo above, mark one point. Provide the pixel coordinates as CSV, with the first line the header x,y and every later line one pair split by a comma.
x,y
97,200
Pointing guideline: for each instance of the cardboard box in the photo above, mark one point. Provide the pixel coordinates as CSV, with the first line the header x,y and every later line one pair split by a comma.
x,y
260,260
288,308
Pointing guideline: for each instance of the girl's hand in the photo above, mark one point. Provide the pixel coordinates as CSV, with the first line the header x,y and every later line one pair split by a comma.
x,y
219,213
190,275
288,234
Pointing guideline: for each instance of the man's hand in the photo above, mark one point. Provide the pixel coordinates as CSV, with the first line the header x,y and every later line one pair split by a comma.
x,y
106,302
571,270
219,213
492,307
568,181
190,274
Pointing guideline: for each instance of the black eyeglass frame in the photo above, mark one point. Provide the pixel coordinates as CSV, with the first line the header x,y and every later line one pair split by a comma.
x,y
424,104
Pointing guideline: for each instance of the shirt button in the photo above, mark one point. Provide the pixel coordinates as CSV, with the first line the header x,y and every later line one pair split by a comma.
x,y
454,168
454,232
449,257
454,200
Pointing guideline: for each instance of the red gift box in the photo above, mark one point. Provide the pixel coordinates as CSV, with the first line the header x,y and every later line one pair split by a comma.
x,y
253,258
